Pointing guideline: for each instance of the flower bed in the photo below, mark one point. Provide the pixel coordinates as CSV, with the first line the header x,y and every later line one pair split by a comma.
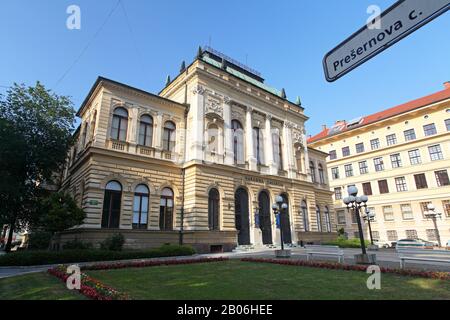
x,y
90,287
96,290
339,266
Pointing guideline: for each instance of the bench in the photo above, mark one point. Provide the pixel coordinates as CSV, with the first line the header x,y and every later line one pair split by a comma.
x,y
419,254
324,251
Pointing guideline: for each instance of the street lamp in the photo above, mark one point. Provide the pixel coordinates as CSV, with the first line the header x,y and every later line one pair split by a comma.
x,y
369,217
355,202
432,214
278,209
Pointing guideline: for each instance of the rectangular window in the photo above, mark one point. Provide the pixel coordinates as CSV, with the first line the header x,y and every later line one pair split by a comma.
x,y
435,152
411,234
379,164
392,235
429,129
376,235
338,193
375,144
341,217
353,214
345,151
363,168
446,206
348,170
414,157
421,181
383,186
431,234
424,208
367,188
391,139
360,147
442,178
396,161
410,135
407,212
388,213
335,173
356,234
447,124
333,155
400,183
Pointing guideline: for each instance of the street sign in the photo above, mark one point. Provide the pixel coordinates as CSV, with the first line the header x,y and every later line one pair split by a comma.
x,y
397,22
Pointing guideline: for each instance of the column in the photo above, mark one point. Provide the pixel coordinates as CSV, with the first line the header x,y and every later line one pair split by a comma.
x,y
133,123
288,153
228,136
269,146
197,111
251,159
306,164
157,134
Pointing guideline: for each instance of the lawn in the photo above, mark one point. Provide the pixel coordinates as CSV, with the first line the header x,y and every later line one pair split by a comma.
x,y
232,280
244,280
36,286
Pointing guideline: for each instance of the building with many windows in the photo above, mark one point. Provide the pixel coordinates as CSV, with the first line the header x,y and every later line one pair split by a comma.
x,y
400,158
199,163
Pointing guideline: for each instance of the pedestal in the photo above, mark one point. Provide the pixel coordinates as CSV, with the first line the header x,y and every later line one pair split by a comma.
x,y
283,253
369,258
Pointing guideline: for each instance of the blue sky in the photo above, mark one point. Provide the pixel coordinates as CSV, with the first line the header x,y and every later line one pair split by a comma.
x,y
284,40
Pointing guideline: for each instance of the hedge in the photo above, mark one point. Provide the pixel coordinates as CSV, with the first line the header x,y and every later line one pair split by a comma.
x,y
41,257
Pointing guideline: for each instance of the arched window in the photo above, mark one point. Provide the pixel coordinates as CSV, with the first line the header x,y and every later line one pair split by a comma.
x,y
166,210
213,209
276,141
111,205
304,209
258,145
169,136
119,124
213,139
321,174
319,219
146,131
312,168
238,142
327,219
140,207
299,157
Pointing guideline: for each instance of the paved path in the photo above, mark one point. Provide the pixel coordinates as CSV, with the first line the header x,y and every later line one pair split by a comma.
x,y
385,258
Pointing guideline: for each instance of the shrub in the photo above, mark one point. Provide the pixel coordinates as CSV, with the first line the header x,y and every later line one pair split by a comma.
x,y
77,245
113,243
41,257
39,240
346,243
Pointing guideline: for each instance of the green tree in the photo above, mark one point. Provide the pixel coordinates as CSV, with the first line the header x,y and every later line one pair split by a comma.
x,y
35,135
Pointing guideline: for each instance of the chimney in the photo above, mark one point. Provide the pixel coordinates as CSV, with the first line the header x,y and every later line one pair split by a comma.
x,y
447,85
324,127
338,122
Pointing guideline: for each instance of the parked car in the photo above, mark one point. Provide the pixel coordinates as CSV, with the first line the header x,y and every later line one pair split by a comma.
x,y
414,243
382,243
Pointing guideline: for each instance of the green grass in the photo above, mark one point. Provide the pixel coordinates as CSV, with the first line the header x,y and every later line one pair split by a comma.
x,y
36,286
244,280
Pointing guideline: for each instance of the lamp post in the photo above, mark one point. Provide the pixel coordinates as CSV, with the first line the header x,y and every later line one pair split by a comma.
x,y
355,202
432,214
279,208
369,218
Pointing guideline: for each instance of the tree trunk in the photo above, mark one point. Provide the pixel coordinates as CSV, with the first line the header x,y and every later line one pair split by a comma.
x,y
10,236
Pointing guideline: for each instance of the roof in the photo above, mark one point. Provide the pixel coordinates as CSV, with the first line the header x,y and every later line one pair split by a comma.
x,y
385,114
103,79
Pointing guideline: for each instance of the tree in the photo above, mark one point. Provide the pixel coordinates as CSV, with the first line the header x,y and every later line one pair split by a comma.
x,y
56,213
35,135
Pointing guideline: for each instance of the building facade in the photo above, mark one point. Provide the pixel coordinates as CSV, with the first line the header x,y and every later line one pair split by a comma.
x,y
200,163
400,158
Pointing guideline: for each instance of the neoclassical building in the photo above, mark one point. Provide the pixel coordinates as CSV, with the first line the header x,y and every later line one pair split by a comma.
x,y
200,163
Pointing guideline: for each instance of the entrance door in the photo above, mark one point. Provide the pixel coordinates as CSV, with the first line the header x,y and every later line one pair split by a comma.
x,y
286,222
242,216
264,217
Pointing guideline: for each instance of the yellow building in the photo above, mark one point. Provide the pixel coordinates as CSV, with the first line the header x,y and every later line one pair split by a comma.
x,y
400,158
201,163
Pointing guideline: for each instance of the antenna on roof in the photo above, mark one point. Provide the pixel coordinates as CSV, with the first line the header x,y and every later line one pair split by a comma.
x,y
168,81
199,52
